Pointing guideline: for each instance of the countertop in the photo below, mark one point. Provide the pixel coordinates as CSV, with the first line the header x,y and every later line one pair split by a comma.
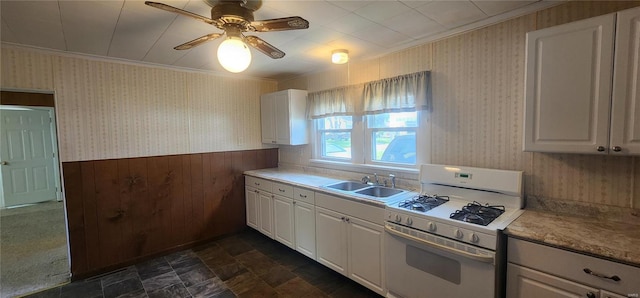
x,y
315,182
610,239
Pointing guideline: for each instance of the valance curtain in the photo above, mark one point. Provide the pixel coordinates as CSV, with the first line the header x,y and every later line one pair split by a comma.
x,y
334,102
410,92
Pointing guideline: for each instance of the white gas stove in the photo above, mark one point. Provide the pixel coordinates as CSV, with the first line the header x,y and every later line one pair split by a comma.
x,y
448,235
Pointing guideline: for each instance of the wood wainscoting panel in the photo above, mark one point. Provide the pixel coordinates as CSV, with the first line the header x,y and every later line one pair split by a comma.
x,y
124,210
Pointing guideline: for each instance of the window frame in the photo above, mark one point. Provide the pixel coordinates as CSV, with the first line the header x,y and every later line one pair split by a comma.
x,y
361,144
317,145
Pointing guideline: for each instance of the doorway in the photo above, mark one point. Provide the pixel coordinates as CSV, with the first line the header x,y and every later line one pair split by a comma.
x,y
33,229
28,156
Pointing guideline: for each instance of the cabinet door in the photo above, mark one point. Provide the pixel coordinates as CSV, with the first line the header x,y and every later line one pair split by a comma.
x,y
305,229
283,224
251,196
281,112
568,87
523,282
331,239
366,254
267,119
625,109
606,294
265,216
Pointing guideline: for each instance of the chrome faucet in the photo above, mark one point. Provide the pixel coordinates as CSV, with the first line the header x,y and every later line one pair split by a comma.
x,y
393,180
366,179
375,176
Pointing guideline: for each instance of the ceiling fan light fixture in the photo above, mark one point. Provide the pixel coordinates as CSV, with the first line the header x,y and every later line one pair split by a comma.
x,y
340,56
234,55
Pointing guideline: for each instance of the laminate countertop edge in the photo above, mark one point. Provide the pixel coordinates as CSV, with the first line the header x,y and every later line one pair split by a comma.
x,y
606,239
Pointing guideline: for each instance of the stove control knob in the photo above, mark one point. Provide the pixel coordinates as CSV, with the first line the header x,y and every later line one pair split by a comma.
x,y
432,227
398,218
458,234
409,221
474,238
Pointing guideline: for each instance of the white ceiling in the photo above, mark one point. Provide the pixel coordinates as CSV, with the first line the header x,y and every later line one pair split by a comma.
x,y
133,31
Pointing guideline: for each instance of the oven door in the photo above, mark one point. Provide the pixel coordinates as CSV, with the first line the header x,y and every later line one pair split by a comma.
x,y
423,265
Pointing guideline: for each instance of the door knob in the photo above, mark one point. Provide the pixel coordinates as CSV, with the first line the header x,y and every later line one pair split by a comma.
x,y
4,163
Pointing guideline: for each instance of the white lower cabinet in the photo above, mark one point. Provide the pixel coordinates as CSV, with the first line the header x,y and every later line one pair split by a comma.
x,y
351,246
529,283
265,211
283,219
536,270
365,253
251,196
305,228
331,239
349,241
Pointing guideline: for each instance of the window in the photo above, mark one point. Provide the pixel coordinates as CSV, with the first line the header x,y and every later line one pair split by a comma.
x,y
389,139
388,135
392,137
334,137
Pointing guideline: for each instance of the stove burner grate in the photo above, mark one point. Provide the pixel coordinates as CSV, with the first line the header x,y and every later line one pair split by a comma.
x,y
477,213
424,203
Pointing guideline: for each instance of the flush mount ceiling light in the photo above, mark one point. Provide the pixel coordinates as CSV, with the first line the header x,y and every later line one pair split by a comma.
x,y
339,56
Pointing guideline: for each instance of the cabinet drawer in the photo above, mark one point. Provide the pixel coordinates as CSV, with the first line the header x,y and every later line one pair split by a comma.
x,y
351,208
572,266
282,190
258,183
305,195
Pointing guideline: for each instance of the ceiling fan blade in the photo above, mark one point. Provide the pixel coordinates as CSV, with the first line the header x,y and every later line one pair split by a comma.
x,y
290,23
170,8
264,47
198,41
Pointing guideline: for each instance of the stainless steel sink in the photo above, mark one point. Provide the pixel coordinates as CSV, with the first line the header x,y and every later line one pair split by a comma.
x,y
379,191
348,186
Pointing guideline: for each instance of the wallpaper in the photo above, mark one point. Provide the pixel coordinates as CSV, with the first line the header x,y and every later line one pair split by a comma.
x,y
477,119
111,110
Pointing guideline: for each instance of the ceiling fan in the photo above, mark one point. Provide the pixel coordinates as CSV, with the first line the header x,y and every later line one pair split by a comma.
x,y
235,17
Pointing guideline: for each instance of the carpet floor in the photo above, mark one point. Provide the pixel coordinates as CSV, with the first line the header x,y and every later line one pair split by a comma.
x,y
33,248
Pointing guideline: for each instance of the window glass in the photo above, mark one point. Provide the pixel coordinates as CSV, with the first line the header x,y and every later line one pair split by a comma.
x,y
394,146
393,137
335,136
386,120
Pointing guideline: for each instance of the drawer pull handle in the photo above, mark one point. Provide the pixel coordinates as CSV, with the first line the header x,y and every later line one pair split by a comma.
x,y
302,196
256,183
280,190
613,277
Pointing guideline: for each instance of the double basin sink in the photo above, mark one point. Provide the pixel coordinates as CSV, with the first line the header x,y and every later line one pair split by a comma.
x,y
375,191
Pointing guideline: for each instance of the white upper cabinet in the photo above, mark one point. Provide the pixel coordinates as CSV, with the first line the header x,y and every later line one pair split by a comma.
x,y
283,117
571,104
625,107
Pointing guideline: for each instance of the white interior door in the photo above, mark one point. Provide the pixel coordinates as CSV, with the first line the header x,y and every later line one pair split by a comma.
x,y
27,156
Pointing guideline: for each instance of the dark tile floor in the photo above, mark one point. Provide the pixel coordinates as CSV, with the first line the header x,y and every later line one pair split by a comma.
x,y
246,264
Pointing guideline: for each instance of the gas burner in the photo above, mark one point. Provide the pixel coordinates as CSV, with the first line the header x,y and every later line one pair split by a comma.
x,y
424,203
477,213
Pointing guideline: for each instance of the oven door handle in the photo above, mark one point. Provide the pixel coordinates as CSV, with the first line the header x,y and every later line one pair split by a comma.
x,y
476,257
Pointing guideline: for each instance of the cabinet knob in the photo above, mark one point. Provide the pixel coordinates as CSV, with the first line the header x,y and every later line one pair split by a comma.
x,y
4,163
600,148
591,295
616,148
347,219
